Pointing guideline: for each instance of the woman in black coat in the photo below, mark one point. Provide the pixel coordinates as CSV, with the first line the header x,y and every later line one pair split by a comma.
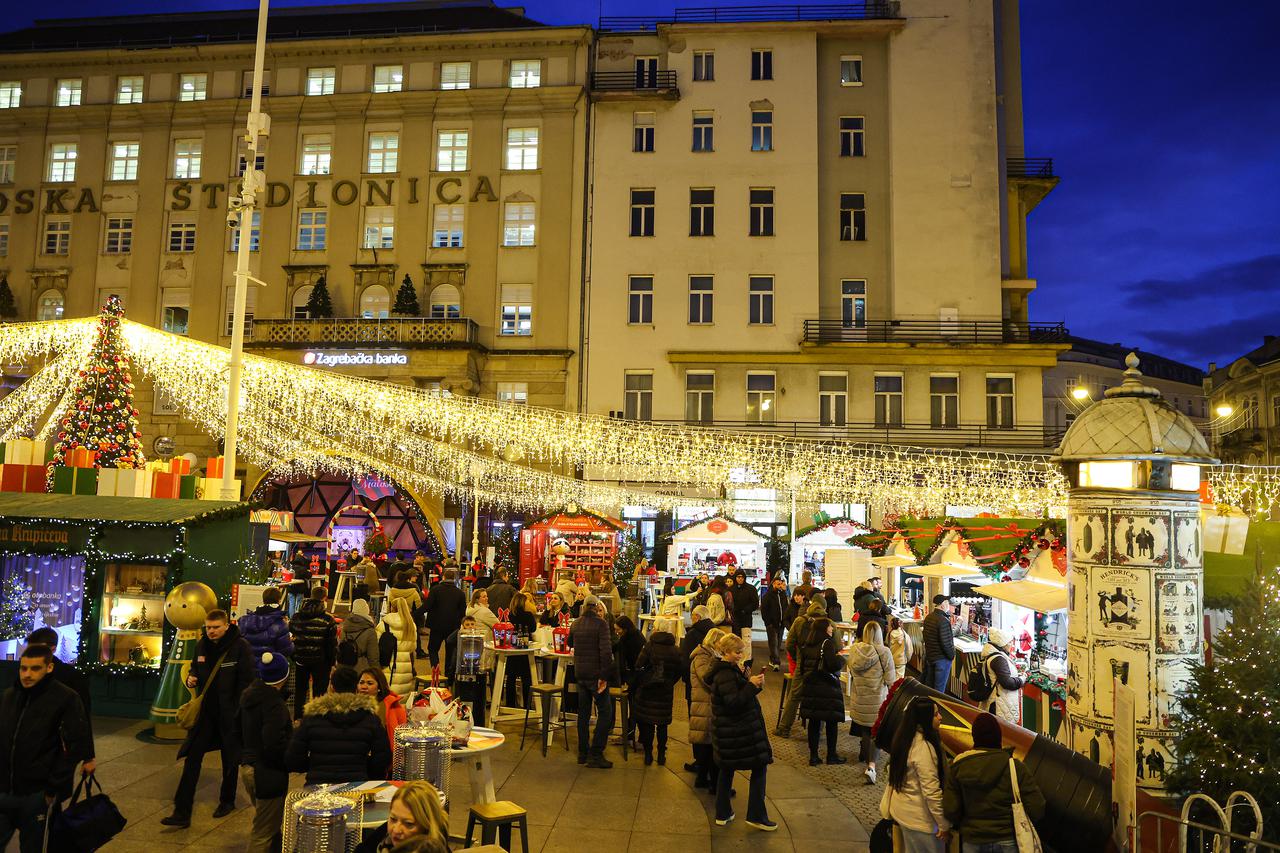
x,y
628,642
738,733
821,699
657,670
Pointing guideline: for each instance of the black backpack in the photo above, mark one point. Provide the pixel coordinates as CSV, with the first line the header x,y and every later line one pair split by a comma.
x,y
386,647
981,685
348,653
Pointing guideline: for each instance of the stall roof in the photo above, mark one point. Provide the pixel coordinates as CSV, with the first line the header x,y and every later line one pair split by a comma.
x,y
291,536
743,533
943,570
1042,597
575,522
111,508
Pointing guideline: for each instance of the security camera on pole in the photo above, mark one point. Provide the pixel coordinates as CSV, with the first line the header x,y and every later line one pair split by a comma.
x,y
240,211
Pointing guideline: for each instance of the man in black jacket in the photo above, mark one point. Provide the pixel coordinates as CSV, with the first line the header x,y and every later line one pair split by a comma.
x,y
264,727
315,648
223,657
867,592
746,601
445,606
340,738
68,675
593,666
939,644
43,735
773,610
501,592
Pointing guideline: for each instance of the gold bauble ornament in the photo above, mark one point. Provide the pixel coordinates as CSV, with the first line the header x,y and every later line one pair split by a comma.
x,y
187,604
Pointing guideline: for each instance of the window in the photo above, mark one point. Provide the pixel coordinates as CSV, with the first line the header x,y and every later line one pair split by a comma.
x,y
853,216
699,397
1000,402
1275,410
57,235
526,73
317,153
68,93
186,158
455,75
447,232
8,163
760,300
522,148
375,302
888,400
388,78
646,72
762,64
384,153
49,306
451,151
761,213
182,233
259,162
642,213
704,65
851,71
10,94
518,223
853,303
517,309
701,291
255,234
4,236
175,309
128,90
702,212
640,300
379,228
298,304
642,132
320,80
944,402
513,392
762,130
761,402
638,396
704,127
313,225
62,162
446,303
246,83
833,399
124,162
852,136
193,87
250,304
118,237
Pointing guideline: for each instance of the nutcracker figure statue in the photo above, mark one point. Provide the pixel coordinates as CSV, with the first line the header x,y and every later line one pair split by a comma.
x,y
184,609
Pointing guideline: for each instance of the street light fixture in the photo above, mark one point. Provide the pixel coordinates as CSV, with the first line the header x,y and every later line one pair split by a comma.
x,y
1080,392
1223,410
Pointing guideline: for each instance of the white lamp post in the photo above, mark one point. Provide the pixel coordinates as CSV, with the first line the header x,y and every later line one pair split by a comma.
x,y
477,472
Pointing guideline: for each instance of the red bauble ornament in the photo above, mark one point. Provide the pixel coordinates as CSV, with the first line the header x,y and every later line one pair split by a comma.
x,y
1024,562
1042,544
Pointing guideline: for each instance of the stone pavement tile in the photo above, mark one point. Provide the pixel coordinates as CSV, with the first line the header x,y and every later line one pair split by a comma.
x,y
786,782
124,773
819,818
671,816
599,812
744,839
650,842
669,781
620,781
537,836
120,844
137,809
575,837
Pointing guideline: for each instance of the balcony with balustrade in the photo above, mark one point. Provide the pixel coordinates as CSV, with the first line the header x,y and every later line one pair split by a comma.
x,y
367,332
1029,438
937,331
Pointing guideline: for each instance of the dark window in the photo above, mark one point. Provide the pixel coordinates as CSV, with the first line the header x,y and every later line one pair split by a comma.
x,y
702,213
762,65
761,219
853,216
642,212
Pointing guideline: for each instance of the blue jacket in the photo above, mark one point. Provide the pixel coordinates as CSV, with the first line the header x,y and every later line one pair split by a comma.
x,y
266,630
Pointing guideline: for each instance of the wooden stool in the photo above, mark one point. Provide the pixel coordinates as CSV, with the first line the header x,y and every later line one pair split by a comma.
x,y
545,693
496,819
620,696
782,703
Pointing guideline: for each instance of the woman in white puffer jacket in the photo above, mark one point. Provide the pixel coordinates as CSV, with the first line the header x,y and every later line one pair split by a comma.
x,y
913,797
399,623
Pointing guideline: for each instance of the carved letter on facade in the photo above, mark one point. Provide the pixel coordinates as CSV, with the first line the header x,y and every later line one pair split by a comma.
x,y
413,191
452,197
483,187
26,201
87,201
311,193
344,192
278,194
181,194
53,201
211,191
383,193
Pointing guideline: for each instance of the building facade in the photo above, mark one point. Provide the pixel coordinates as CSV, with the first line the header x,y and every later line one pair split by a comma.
x,y
1244,397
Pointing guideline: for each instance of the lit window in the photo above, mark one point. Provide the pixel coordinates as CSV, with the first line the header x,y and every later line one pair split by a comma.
x,y
447,232
762,130
760,300
259,162
10,94
320,80
67,93
375,302
175,311
642,213
193,87
851,71
8,163
62,162
761,399
182,233
388,78
699,397
762,64
57,236
246,83
451,150
852,136
638,396
833,399
129,90
312,230
255,234
317,152
250,305
704,65
49,306
4,236
853,216
761,213
522,148
186,158
640,299
379,228
853,303
704,128
1000,402
446,303
517,309
518,223
298,304
526,73
384,152
124,162
701,292
118,237
888,400
455,75
642,132
516,393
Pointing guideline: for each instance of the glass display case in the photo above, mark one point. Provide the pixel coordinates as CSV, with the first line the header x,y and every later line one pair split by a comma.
x,y
132,621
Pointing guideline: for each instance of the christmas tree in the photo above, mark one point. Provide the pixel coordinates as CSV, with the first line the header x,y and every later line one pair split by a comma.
x,y
506,554
407,300
103,418
318,305
17,609
8,308
624,561
1227,739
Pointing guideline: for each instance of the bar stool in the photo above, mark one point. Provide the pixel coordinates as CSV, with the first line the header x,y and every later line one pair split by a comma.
x,y
545,693
620,696
496,819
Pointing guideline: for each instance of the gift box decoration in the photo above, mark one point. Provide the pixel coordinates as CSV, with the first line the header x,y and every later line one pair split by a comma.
x,y
124,482
23,478
213,467
180,465
26,451
165,485
210,488
68,480
1225,529
81,457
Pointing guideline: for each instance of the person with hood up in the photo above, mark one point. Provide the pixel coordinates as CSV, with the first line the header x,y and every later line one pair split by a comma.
x,y
816,609
835,612
871,673
817,680
399,623
358,639
916,770
773,610
746,601
701,662
391,711
977,797
340,738
1006,692
738,735
266,629
315,648
265,727
868,591
653,690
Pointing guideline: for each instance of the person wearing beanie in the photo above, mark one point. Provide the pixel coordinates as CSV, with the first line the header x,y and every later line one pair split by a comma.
x,y
340,738
977,798
1006,694
265,729
594,669
358,644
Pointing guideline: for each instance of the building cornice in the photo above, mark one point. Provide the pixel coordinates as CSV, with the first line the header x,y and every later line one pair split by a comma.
x,y
920,354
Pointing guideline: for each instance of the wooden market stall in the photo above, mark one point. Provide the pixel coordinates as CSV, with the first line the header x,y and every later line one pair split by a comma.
x,y
717,544
810,547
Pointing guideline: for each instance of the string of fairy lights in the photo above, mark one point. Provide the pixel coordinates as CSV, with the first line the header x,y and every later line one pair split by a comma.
x,y
308,421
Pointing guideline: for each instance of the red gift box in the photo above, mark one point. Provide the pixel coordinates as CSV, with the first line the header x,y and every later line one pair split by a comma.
x,y
81,457
213,467
165,485
37,479
23,478
180,465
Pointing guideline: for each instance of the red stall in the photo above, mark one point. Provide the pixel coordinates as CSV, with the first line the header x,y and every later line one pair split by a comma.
x,y
589,543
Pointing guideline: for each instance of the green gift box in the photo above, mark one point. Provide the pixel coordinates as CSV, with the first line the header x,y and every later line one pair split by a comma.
x,y
187,486
75,481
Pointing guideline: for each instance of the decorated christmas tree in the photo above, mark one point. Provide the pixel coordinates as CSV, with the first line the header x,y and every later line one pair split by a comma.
x,y
318,305
1228,739
624,561
506,554
8,308
407,300
103,417
17,608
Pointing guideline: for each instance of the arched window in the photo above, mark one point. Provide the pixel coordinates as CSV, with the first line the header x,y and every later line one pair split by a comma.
x,y
446,303
1251,412
50,305
301,297
375,302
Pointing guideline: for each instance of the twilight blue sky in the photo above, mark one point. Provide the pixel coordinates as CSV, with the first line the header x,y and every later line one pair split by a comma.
x,y
1163,120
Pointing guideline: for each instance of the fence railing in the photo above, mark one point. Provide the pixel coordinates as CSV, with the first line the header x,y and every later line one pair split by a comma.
x,y
363,331
938,331
1029,167
872,10
1164,832
628,81
923,434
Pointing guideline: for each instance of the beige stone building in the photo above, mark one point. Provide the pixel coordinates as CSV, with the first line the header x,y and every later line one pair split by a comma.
x,y
1244,399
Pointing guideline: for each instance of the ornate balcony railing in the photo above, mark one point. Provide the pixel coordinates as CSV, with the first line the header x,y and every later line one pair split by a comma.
x,y
411,332
934,331
871,10
1029,167
916,434
633,81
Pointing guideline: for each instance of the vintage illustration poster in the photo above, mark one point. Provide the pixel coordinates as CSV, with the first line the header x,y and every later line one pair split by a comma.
x,y
1128,663
1178,614
1188,542
1120,602
1140,538
1087,531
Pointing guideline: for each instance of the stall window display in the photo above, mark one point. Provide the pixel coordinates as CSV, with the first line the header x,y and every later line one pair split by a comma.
x,y
38,591
131,626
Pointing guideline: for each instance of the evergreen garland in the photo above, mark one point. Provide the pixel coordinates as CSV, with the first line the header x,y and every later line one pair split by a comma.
x,y
407,300
319,307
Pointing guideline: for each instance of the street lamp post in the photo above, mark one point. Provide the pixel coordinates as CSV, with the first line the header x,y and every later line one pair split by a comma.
x,y
477,471
241,210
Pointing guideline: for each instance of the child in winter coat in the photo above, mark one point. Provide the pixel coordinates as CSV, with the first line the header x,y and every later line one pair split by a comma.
x,y
653,689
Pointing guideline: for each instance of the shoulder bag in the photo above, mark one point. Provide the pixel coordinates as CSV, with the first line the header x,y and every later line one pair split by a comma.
x,y
189,711
83,824
1024,831
881,840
